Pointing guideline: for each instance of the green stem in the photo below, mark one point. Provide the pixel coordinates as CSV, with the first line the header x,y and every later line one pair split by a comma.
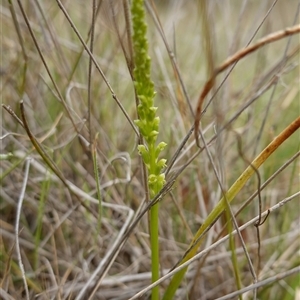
x,y
233,250
154,228
98,186
154,249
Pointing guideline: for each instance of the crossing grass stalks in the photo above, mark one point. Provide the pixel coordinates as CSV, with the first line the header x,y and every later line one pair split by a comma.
x,y
73,183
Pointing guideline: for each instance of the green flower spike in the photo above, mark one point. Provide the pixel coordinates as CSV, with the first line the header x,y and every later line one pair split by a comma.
x,y
148,124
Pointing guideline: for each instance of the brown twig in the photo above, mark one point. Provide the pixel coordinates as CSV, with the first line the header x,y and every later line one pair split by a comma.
x,y
234,58
13,114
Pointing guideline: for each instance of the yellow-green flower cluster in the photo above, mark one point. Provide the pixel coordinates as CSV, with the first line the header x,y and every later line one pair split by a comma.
x,y
148,122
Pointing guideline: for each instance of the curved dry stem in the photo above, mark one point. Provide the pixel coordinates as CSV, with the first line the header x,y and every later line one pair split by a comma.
x,y
221,206
234,58
17,226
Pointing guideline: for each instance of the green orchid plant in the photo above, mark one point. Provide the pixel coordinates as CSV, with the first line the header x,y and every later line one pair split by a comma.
x,y
148,124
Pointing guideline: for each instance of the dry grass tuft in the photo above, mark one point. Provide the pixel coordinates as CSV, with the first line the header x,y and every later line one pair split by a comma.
x,y
48,187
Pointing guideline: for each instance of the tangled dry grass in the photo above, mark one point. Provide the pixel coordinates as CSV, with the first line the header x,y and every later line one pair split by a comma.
x,y
50,225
